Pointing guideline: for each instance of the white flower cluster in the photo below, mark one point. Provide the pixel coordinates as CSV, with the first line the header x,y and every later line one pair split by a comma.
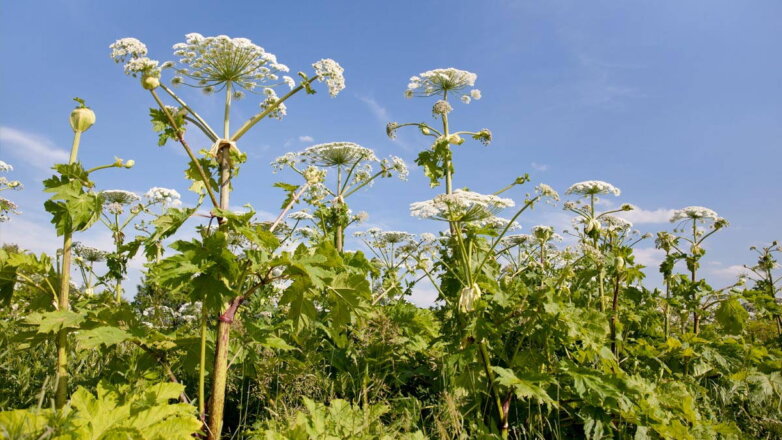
x,y
338,153
271,99
133,53
497,224
119,196
4,182
516,240
330,72
378,238
396,164
547,191
114,200
461,205
441,81
694,213
301,215
614,223
593,187
214,62
7,206
166,196
89,253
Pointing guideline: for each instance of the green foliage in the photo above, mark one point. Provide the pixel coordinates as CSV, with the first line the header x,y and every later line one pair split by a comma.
x,y
337,420
115,412
72,208
162,125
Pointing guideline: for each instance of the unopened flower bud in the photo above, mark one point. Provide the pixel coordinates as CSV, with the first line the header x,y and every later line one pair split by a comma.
x,y
592,225
620,263
468,297
82,117
130,163
425,130
150,82
455,139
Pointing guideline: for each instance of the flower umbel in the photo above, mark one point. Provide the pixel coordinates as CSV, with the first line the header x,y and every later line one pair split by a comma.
x,y
460,206
444,81
214,62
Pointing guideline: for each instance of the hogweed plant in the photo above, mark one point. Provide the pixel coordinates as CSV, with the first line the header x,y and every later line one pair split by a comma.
x,y
398,256
232,66
766,282
353,169
532,335
442,84
122,208
694,224
588,191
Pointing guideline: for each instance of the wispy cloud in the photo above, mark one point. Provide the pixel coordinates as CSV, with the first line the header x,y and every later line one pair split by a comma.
x,y
383,116
306,139
539,166
641,216
30,148
380,112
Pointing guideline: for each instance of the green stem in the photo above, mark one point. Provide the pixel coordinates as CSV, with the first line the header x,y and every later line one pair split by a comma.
x,y
492,387
203,125
63,303
202,364
257,118
189,152
227,114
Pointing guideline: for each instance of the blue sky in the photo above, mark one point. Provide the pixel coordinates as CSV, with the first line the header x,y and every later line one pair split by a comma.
x,y
676,103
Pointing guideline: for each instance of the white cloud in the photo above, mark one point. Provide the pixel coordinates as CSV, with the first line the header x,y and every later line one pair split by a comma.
x,y
639,216
306,139
539,166
649,257
423,295
31,148
728,273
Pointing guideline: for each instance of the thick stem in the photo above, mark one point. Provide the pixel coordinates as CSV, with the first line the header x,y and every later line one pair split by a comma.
x,y
224,157
63,303
614,311
220,371
227,114
696,321
222,341
202,365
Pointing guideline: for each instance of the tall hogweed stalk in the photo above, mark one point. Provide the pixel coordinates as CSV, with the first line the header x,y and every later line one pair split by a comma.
x,y
234,67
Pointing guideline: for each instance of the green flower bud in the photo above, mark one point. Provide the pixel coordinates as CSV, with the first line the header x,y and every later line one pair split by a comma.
x,y
425,130
150,82
130,163
455,139
620,263
82,117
